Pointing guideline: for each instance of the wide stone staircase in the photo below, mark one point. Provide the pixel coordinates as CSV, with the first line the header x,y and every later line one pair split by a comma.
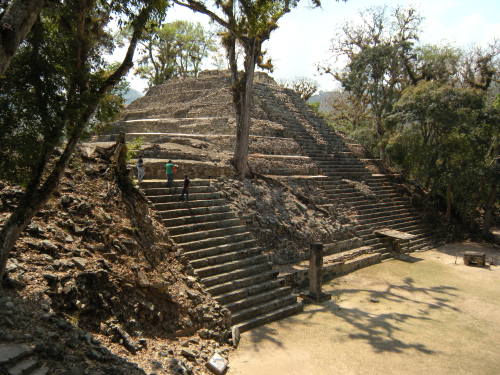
x,y
377,202
223,253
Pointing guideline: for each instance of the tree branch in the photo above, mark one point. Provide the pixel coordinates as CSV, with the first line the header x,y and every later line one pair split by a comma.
x,y
15,24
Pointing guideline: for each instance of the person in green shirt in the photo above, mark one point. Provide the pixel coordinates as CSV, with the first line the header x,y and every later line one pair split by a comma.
x,y
169,167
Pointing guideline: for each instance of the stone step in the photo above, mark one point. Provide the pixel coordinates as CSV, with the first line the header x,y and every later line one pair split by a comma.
x,y
225,257
386,215
342,164
252,290
192,211
347,195
271,316
44,370
381,209
402,226
391,223
191,204
242,283
346,173
263,308
230,266
339,189
216,241
221,249
10,353
257,299
339,158
347,254
189,228
24,366
361,205
236,274
198,219
349,171
150,184
192,197
176,191
210,233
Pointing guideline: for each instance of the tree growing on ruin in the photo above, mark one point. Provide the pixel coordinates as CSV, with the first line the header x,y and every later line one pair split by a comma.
x,y
248,23
303,86
175,49
63,89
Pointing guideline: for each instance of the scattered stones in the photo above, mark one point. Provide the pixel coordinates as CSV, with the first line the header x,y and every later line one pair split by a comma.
x,y
125,338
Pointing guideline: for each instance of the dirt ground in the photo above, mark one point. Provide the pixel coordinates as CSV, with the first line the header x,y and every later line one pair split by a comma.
x,y
426,313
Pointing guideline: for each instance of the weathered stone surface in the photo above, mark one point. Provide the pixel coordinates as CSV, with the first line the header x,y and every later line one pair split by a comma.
x,y
80,263
217,364
10,352
235,334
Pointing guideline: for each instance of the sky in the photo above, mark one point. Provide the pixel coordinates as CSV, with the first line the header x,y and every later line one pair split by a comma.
x,y
304,35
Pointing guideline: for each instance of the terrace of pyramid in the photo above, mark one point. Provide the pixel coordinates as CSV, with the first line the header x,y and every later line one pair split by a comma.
x,y
191,121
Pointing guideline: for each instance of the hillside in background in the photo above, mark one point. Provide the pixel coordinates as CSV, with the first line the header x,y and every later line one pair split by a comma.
x,y
322,98
131,95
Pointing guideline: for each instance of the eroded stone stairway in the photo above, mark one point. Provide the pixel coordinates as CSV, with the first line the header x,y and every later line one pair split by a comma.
x,y
376,201
223,253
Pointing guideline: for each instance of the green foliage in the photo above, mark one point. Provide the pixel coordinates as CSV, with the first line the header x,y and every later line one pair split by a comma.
x,y
431,111
314,106
53,79
174,49
446,138
133,148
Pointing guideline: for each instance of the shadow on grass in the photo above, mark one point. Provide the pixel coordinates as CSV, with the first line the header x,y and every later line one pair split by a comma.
x,y
378,329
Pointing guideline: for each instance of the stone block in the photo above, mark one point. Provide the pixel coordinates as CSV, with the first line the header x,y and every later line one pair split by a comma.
x,y
217,364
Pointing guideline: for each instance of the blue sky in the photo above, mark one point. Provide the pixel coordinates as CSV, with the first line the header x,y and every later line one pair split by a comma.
x,y
303,37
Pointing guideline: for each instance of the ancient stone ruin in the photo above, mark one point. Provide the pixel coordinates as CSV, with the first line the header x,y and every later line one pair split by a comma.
x,y
246,254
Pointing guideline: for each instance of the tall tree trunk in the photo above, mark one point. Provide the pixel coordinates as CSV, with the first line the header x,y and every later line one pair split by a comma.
x,y
380,134
15,24
243,109
490,207
449,196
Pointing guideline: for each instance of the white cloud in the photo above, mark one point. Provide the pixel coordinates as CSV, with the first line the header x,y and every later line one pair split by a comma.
x,y
303,38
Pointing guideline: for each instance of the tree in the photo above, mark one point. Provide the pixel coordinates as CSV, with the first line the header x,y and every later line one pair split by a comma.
x,y
379,52
65,87
249,24
15,23
303,86
448,139
174,49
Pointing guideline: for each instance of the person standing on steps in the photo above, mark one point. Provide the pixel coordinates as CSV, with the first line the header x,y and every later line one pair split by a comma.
x,y
170,168
185,190
140,170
